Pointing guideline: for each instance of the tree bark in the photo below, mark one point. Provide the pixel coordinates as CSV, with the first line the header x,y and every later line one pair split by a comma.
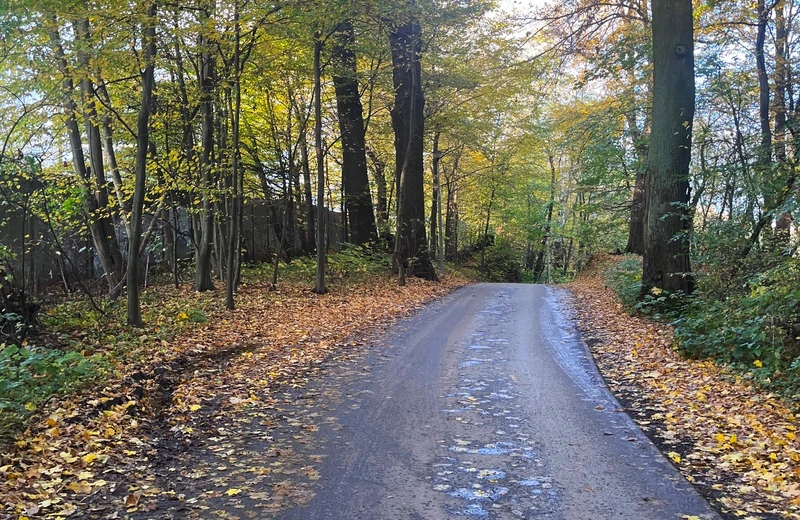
x,y
409,125
309,199
355,181
666,260
234,231
99,223
204,280
382,205
319,285
140,169
783,224
637,225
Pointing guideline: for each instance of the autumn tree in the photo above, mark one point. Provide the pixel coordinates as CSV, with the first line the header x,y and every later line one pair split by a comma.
x,y
666,259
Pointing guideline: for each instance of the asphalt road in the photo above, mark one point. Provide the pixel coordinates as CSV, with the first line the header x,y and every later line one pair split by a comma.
x,y
487,405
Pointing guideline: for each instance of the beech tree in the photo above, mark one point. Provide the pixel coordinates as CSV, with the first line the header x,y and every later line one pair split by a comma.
x,y
666,258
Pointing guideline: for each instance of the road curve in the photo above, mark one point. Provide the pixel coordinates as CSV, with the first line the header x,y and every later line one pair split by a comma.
x,y
487,405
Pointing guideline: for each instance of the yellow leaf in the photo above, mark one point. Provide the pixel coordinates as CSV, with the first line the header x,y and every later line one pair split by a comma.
x,y
194,407
233,491
758,363
183,316
720,438
89,458
80,487
791,436
674,456
733,439
67,457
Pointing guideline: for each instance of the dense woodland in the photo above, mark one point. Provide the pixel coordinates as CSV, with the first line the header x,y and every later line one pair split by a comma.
x,y
137,137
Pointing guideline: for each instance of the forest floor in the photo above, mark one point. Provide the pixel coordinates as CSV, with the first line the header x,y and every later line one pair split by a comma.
x,y
100,453
737,444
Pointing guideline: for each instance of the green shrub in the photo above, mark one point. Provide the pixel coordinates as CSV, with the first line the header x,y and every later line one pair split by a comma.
x,y
31,375
625,278
754,329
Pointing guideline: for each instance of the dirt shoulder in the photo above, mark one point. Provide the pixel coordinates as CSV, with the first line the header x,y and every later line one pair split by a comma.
x,y
736,443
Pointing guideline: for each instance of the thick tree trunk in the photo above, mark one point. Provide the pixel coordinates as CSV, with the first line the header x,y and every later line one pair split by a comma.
x,y
666,258
140,170
355,181
409,125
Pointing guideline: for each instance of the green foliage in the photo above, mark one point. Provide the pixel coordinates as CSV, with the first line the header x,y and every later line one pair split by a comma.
x,y
501,263
625,278
30,375
753,329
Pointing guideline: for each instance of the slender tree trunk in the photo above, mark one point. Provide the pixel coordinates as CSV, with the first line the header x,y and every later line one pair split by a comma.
x,y
435,191
782,234
638,224
540,260
309,202
98,229
204,280
319,285
234,231
140,168
666,259
408,124
382,205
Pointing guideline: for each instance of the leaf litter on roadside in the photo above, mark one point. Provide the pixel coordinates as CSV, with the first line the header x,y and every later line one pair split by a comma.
x,y
207,426
736,443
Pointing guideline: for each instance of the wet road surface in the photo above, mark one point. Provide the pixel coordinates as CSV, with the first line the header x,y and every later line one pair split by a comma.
x,y
487,405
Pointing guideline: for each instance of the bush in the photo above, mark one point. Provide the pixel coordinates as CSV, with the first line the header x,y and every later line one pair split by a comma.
x,y
625,278
31,375
756,329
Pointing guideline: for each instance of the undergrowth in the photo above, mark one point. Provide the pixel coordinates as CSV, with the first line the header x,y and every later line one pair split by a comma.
x,y
754,328
78,345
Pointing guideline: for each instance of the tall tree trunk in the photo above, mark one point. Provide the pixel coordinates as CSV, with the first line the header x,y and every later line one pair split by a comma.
x,y
204,280
637,225
99,223
409,125
319,285
355,181
140,168
783,224
666,258
436,194
540,260
234,231
309,199
100,183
